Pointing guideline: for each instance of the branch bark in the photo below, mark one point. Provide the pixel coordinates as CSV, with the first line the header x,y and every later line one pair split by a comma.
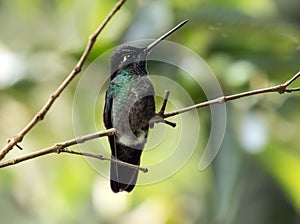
x,y
282,88
62,147
76,70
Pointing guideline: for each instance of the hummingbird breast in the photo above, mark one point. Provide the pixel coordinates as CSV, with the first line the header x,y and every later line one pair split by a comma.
x,y
133,107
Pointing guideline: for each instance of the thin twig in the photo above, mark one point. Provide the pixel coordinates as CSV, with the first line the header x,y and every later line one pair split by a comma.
x,y
76,70
100,157
288,82
290,90
57,147
282,88
62,147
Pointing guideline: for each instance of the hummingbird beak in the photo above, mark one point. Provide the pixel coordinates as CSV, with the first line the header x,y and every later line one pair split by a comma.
x,y
157,41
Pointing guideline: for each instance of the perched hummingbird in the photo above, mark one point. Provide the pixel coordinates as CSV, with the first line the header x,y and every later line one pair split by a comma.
x,y
129,106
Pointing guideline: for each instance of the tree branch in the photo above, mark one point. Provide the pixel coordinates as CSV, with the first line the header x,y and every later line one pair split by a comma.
x,y
62,147
57,148
100,157
282,88
160,117
76,70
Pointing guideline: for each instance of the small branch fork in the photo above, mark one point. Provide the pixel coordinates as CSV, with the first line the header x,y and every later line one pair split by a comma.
x,y
76,70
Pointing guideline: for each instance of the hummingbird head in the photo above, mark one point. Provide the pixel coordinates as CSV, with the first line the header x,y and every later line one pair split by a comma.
x,y
125,57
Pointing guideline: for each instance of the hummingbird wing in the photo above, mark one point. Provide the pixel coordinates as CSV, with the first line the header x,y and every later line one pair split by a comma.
x,y
107,116
122,178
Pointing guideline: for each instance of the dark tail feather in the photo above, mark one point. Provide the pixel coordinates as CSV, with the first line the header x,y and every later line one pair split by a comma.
x,y
123,178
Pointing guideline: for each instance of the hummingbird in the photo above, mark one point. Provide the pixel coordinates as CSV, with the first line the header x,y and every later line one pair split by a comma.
x,y
129,107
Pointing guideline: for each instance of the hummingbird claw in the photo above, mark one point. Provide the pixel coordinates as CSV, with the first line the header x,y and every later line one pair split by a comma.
x,y
159,119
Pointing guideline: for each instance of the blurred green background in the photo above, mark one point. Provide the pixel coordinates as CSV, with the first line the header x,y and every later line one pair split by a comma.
x,y
248,44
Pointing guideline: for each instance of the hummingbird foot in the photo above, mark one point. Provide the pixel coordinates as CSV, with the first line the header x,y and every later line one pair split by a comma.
x,y
159,117
164,104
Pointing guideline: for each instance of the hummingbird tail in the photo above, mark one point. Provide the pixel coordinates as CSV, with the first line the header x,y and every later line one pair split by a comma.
x,y
123,178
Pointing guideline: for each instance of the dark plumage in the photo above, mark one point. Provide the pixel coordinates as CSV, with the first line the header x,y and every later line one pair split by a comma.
x,y
129,106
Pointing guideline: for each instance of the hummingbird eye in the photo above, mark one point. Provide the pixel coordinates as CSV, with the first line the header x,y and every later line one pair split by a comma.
x,y
126,57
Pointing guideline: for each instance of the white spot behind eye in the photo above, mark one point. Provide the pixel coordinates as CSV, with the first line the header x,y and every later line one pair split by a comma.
x,y
126,57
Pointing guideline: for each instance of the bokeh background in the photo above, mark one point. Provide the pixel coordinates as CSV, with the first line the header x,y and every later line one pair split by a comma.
x,y
248,45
